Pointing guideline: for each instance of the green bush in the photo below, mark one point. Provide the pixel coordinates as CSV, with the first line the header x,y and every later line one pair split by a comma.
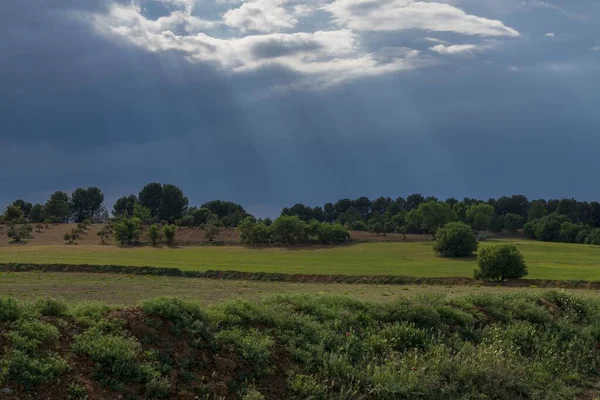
x,y
288,229
127,230
10,309
500,263
332,234
169,233
31,370
593,237
359,226
254,346
115,357
455,239
154,234
569,232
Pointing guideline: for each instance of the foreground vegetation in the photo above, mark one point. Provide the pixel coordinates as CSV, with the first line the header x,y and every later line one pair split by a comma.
x,y
525,346
544,260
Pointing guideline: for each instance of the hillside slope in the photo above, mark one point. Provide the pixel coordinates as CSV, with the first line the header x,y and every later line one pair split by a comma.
x,y
543,346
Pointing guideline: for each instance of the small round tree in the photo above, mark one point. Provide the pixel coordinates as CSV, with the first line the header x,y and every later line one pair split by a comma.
x,y
155,234
169,234
455,239
500,263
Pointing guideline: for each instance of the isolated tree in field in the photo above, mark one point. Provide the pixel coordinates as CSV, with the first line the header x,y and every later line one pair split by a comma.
x,y
124,206
500,263
17,234
513,222
480,216
103,233
154,234
169,234
127,230
37,214
455,239
173,203
13,214
151,197
71,237
211,228
57,206
430,216
537,210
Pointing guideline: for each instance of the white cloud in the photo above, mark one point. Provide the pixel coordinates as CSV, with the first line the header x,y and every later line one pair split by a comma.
x,y
434,40
457,49
325,57
550,34
261,16
395,15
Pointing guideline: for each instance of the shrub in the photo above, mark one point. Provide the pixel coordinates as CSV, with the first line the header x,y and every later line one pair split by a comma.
x,y
155,234
359,226
455,239
547,229
569,232
289,229
71,237
332,234
500,263
50,307
254,233
115,357
127,230
103,233
31,370
169,234
593,237
211,228
10,309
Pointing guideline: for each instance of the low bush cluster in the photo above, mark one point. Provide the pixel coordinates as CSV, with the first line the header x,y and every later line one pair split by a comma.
x,y
289,230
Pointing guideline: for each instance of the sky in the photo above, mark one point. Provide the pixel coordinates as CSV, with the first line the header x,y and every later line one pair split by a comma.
x,y
273,102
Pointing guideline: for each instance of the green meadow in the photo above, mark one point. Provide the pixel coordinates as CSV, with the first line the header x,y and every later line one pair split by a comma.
x,y
544,260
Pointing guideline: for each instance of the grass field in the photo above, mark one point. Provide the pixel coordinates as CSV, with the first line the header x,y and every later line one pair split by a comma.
x,y
129,290
545,260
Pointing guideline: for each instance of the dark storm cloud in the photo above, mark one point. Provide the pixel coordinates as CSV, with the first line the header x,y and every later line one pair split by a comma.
x,y
81,109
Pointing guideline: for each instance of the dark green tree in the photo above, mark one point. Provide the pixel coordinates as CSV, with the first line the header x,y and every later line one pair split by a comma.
x,y
37,213
173,203
500,263
57,207
23,205
124,206
86,203
480,216
455,239
151,197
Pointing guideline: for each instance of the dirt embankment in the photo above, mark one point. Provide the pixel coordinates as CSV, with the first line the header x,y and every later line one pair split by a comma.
x,y
304,278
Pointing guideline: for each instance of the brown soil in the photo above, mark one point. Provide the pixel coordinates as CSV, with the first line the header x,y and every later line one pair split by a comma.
x,y
186,236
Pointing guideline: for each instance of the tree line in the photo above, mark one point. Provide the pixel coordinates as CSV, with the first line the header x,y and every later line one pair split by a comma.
x,y
565,220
